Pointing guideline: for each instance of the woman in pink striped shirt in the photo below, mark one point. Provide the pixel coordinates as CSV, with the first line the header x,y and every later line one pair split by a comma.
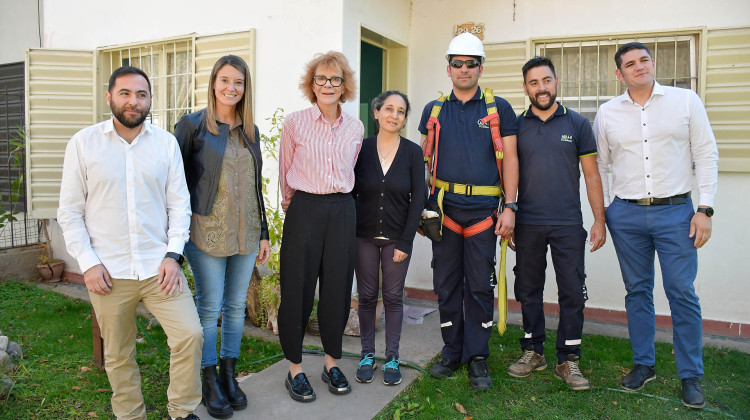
x,y
319,147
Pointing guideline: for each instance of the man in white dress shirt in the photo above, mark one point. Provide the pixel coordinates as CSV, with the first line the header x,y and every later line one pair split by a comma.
x,y
653,136
125,214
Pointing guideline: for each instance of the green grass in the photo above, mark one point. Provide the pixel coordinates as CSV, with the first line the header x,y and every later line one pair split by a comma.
x,y
604,362
57,378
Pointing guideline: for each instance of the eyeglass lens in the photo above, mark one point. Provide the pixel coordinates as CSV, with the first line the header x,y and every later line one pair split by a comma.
x,y
321,80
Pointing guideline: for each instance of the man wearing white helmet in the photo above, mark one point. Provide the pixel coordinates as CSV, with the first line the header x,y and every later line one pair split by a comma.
x,y
466,185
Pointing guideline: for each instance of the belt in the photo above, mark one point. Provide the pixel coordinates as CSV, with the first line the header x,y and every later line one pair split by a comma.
x,y
661,201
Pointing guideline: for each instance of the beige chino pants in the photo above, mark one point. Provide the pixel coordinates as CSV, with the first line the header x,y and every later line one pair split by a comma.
x,y
178,317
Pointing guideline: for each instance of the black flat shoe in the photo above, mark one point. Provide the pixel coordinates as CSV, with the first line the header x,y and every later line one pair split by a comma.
x,y
638,377
299,388
692,393
337,382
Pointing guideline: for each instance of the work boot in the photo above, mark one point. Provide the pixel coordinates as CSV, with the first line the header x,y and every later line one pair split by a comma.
x,y
237,398
214,399
366,369
638,377
529,362
569,372
479,376
444,368
692,393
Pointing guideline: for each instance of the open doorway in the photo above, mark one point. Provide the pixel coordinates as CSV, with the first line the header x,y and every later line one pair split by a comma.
x,y
383,66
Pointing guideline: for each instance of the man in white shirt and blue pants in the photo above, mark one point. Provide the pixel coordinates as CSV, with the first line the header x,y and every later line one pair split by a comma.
x,y
125,215
653,136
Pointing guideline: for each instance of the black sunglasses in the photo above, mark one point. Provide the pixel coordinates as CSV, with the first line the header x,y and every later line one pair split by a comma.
x,y
470,64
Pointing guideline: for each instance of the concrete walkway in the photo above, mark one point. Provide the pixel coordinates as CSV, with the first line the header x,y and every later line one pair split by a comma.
x,y
268,398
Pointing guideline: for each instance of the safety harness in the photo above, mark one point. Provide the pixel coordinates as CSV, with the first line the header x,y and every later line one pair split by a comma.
x,y
430,148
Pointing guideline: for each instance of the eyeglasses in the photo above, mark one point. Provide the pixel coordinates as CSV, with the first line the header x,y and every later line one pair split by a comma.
x,y
470,64
321,80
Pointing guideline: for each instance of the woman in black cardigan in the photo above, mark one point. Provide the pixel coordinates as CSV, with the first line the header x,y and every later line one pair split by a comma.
x,y
389,195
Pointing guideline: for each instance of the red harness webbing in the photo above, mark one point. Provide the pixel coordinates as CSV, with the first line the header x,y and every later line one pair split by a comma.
x,y
472,230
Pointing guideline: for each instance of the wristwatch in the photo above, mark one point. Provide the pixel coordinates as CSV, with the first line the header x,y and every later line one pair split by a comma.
x,y
512,206
708,211
177,257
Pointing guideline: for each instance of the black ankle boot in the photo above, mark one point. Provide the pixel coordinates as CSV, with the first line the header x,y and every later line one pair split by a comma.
x,y
236,397
216,403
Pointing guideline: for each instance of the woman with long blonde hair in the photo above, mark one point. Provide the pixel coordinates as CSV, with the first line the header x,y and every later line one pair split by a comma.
x,y
228,231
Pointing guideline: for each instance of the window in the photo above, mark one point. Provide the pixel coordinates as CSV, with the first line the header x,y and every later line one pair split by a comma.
x,y
168,66
586,68
66,93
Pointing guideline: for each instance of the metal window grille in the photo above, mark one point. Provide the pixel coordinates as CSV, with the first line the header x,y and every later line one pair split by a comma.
x,y
586,69
17,229
170,70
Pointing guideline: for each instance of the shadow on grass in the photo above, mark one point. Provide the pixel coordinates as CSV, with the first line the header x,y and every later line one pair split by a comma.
x,y
57,378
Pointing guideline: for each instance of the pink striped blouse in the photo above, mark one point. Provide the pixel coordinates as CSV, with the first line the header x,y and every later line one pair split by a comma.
x,y
317,157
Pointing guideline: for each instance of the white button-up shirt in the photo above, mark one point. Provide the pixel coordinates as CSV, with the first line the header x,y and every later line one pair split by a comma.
x,y
652,148
124,205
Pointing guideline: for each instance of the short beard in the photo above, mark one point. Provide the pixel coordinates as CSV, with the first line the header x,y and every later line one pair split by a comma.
x,y
120,116
539,106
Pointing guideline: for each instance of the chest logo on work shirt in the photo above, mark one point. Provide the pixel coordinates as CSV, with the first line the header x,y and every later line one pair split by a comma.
x,y
567,138
482,124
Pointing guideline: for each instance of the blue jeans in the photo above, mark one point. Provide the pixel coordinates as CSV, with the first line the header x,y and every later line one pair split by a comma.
x,y
638,231
221,284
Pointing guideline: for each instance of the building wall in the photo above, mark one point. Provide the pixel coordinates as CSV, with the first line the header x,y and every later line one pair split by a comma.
x,y
289,32
19,28
723,264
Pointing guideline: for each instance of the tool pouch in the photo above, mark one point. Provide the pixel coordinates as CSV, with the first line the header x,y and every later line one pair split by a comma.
x,y
430,222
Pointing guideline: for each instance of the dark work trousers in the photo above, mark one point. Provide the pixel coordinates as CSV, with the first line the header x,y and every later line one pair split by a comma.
x,y
567,244
464,278
319,243
372,256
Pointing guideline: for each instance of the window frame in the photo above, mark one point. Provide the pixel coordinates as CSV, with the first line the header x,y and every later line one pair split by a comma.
x,y
160,106
696,37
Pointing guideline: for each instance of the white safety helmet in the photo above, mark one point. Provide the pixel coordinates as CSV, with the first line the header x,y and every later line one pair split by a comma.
x,y
466,44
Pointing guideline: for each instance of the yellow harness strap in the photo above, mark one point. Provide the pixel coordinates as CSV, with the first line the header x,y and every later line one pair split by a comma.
x,y
467,190
502,291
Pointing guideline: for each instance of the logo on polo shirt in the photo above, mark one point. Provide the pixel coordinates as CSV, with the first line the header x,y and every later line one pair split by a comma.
x,y
482,124
567,138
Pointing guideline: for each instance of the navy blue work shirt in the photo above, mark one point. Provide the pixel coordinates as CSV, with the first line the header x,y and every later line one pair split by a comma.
x,y
465,151
549,175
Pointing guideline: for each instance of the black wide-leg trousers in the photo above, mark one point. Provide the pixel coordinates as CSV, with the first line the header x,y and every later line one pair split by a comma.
x,y
319,244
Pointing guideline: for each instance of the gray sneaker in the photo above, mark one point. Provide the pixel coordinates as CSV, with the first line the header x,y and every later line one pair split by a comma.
x,y
366,369
391,372
529,362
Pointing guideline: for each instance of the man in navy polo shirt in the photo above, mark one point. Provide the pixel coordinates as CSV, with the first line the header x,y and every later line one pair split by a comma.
x,y
552,140
464,261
